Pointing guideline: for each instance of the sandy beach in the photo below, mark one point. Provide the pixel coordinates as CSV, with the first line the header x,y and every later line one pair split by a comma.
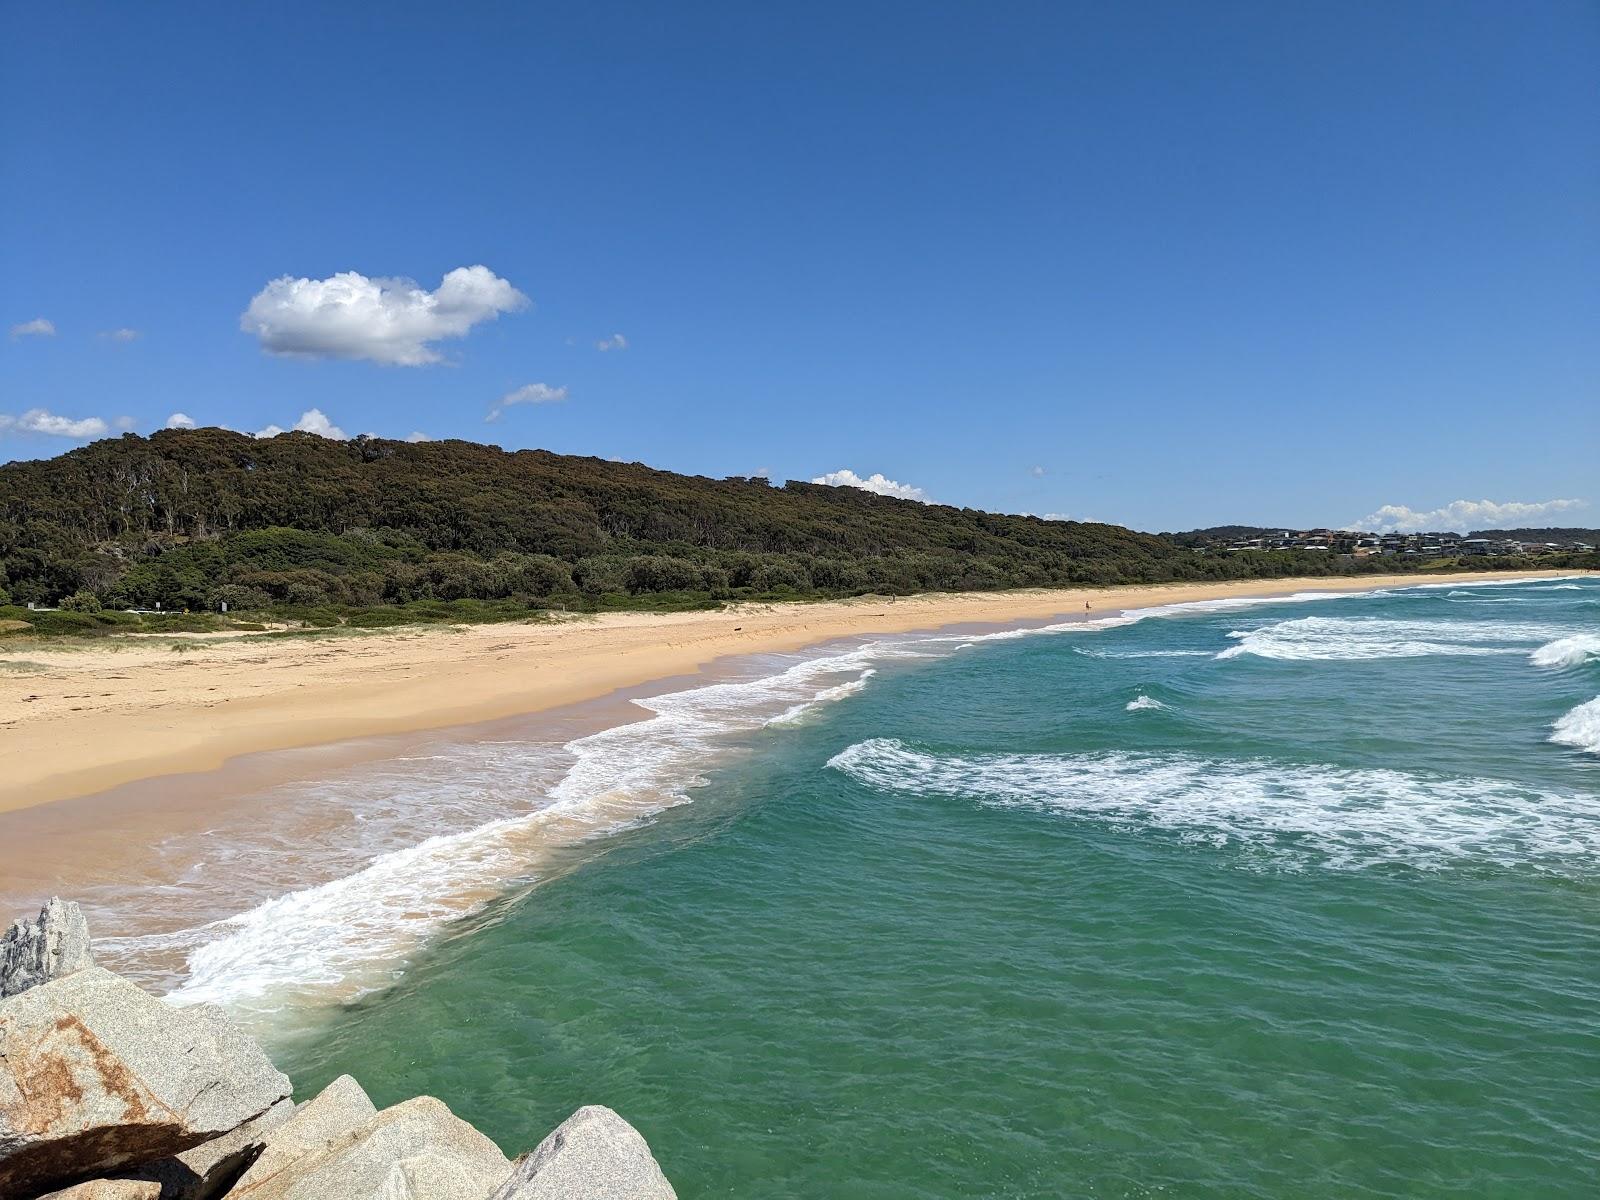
x,y
79,718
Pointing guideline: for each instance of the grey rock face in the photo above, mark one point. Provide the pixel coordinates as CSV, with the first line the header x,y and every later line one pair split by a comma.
x,y
593,1155
212,1167
333,1116
36,952
418,1150
109,1189
96,1074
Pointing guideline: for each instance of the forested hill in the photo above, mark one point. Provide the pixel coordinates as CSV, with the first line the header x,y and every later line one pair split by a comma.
x,y
1564,536
193,518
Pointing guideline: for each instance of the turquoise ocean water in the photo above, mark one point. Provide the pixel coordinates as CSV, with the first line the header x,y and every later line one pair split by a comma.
x,y
1288,899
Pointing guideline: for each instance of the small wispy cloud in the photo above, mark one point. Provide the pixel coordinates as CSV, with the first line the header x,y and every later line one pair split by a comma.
x,y
38,327
39,420
416,435
876,482
388,321
120,335
615,342
313,420
1038,472
1461,516
529,393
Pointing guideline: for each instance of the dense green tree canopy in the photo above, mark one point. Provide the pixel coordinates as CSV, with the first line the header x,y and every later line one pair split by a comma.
x,y
198,518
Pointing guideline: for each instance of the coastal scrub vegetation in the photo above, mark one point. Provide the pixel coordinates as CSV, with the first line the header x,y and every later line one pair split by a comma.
x,y
371,532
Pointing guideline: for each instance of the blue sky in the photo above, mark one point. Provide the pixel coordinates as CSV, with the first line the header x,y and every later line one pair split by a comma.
x,y
1161,264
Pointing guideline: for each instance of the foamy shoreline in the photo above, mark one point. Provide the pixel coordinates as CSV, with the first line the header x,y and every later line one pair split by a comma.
x,y
79,719
251,878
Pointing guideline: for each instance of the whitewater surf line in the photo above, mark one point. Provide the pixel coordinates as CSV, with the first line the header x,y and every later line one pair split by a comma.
x,y
1285,814
350,935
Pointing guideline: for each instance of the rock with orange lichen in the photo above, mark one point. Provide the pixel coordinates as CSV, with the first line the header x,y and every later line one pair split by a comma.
x,y
97,1074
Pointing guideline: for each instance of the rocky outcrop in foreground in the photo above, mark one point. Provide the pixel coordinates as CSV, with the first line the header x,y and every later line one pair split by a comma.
x,y
592,1155
54,945
108,1093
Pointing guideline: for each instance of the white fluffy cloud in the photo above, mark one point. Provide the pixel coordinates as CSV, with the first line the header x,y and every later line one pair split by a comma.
x,y
615,342
38,420
528,393
874,483
38,327
390,321
416,435
1464,515
179,420
313,420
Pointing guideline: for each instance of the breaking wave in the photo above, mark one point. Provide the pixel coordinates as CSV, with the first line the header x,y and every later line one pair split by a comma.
x,y
798,713
1534,583
1352,638
1568,651
1140,703
1579,728
1283,814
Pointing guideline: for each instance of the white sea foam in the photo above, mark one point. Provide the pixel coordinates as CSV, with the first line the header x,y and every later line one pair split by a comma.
x,y
1238,603
1350,638
350,935
797,714
1530,583
1579,728
344,937
1090,625
1284,814
1186,608
1568,651
1140,703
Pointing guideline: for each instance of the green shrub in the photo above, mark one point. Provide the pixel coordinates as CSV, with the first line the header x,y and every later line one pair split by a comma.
x,y
180,623
83,602
238,597
64,622
381,618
